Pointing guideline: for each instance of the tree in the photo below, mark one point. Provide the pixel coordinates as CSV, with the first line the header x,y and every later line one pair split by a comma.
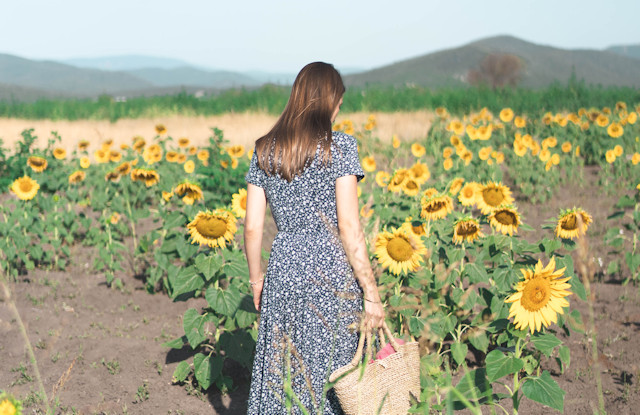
x,y
497,70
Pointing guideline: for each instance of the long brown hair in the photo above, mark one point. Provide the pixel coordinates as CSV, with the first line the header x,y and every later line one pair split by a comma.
x,y
293,141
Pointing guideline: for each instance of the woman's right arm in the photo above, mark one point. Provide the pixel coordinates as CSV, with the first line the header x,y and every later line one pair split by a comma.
x,y
355,247
253,228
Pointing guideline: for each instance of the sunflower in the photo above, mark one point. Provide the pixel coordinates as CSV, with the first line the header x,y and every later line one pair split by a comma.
x,y
239,203
83,145
572,223
499,156
101,156
584,126
436,207
415,227
85,162
77,176
549,142
212,228
447,152
112,176
471,132
369,164
455,185
466,156
138,143
566,147
442,112
148,176
124,168
635,159
25,188
114,218
420,173
410,187
615,130
189,190
161,129
183,142
520,122
484,132
9,405
366,211
545,154
166,196
60,153
115,156
397,180
491,195
172,156
182,158
484,153
632,118
152,154
124,146
539,298
418,150
382,178
555,159
236,151
467,196
506,115
519,148
447,164
395,141
466,229
37,164
203,156
602,120
399,250
610,156
456,127
505,219
189,166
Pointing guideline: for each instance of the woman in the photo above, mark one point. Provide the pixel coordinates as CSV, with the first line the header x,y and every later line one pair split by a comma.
x,y
309,299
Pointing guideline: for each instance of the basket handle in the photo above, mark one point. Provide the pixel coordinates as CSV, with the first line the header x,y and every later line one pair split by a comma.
x,y
365,334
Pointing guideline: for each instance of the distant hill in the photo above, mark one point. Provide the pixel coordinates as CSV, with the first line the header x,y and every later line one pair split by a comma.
x,y
55,77
631,51
189,76
126,62
542,66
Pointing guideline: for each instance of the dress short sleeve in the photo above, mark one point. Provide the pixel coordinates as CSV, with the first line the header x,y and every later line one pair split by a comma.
x,y
345,158
256,175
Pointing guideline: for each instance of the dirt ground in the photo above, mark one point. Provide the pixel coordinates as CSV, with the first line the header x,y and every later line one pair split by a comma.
x,y
99,350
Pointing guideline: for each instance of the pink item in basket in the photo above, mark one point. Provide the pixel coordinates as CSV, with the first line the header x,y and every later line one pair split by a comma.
x,y
387,350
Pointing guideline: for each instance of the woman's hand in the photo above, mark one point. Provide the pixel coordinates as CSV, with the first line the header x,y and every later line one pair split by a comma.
x,y
373,314
257,293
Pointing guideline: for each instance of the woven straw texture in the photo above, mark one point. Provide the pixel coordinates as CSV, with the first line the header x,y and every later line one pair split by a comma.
x,y
384,386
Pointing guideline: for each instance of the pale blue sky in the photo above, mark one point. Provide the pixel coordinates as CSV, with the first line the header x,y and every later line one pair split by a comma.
x,y
285,35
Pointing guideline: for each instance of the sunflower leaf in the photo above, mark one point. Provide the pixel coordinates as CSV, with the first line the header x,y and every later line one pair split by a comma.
x,y
208,265
207,369
193,324
459,352
474,386
544,390
186,280
499,365
224,302
545,343
182,371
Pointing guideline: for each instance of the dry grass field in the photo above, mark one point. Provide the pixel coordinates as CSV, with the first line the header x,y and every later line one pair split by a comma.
x,y
239,128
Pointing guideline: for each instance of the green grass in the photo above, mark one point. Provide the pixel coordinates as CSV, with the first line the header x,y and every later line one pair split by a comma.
x,y
272,99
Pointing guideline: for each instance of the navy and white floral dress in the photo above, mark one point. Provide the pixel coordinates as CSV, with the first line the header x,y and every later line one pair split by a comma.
x,y
310,296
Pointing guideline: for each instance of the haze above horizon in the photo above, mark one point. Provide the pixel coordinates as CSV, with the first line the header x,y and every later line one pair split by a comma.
x,y
282,36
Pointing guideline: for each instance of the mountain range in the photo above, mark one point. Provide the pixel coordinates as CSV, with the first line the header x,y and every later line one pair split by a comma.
x,y
24,79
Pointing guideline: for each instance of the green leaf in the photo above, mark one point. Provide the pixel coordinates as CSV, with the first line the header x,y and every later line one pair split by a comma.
x,y
575,321
499,365
207,369
185,249
224,302
459,352
577,287
208,264
173,220
479,340
185,281
565,356
474,386
236,265
476,272
545,343
238,346
633,261
193,324
544,390
176,343
182,371
613,267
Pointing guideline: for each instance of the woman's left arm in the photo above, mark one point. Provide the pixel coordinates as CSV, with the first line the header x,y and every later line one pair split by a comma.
x,y
253,229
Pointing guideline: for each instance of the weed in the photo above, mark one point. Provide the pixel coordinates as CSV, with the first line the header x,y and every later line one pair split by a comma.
x,y
41,344
55,357
143,393
112,366
24,376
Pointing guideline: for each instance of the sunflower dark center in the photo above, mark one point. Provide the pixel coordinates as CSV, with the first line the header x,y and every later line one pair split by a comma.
x,y
25,185
243,202
536,294
468,228
399,249
212,227
435,206
505,217
569,223
493,196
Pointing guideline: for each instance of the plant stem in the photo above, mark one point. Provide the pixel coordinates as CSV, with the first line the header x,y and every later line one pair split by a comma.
x,y
23,330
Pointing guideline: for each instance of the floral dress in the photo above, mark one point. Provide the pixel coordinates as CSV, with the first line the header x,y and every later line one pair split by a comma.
x,y
310,300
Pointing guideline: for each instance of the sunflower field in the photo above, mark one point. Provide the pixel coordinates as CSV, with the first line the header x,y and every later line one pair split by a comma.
x,y
457,265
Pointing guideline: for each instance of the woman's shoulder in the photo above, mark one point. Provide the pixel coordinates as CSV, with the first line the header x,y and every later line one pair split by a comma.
x,y
343,140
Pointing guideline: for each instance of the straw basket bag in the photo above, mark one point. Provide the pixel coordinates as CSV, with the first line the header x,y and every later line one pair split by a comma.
x,y
384,386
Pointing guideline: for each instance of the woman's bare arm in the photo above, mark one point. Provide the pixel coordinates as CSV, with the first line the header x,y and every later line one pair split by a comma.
x,y
355,247
253,229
